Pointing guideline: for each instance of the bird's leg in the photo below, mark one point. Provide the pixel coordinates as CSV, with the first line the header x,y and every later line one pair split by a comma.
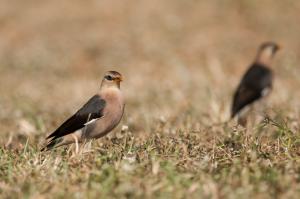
x,y
242,120
83,145
252,115
242,117
76,143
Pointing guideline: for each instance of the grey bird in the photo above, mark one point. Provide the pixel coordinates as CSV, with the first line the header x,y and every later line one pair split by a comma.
x,y
256,83
100,115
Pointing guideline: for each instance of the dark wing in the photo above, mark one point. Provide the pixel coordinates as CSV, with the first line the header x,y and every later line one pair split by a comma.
x,y
93,109
255,81
242,97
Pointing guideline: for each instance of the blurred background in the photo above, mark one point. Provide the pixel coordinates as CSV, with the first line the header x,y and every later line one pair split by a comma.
x,y
181,60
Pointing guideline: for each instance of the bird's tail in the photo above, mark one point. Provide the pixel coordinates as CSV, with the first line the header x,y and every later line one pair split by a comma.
x,y
233,112
53,144
232,115
60,141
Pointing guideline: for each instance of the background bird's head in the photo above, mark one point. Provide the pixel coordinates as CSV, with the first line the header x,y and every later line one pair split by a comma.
x,y
266,52
111,79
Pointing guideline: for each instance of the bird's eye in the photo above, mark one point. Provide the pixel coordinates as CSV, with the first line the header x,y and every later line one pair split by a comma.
x,y
108,77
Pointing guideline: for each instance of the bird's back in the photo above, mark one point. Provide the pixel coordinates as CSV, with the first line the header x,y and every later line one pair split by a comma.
x,y
257,77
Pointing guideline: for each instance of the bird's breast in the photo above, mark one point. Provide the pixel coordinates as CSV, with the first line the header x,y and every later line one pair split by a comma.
x,y
114,102
112,114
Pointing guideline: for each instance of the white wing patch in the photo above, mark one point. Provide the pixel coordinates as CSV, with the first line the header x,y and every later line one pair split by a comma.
x,y
265,92
91,121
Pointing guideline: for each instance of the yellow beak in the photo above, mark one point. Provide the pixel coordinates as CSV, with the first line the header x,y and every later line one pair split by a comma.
x,y
119,79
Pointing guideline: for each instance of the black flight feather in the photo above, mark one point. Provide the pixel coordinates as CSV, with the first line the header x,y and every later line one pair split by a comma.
x,y
93,109
257,78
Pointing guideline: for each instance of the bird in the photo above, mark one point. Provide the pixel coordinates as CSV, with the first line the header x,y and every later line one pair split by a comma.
x,y
96,118
256,83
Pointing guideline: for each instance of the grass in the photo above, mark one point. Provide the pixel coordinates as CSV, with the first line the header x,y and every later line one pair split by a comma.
x,y
232,163
181,62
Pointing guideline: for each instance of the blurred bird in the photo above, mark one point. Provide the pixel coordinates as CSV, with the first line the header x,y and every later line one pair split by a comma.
x,y
256,82
101,114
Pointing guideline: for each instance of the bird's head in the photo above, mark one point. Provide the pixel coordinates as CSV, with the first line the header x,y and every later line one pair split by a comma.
x,y
112,79
266,52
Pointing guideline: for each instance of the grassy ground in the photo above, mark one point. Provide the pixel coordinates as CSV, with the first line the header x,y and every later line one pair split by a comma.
x,y
181,61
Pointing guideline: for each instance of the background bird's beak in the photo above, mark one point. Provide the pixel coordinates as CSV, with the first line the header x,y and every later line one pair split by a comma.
x,y
279,47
